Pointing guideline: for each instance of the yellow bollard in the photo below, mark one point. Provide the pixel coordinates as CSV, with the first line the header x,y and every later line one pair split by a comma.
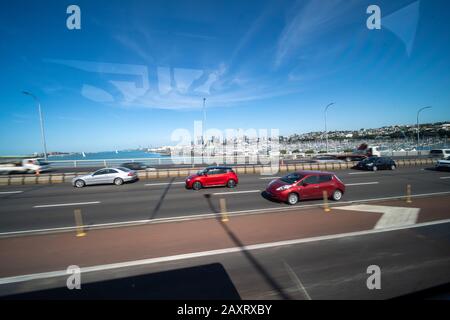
x,y
408,193
79,223
223,209
326,207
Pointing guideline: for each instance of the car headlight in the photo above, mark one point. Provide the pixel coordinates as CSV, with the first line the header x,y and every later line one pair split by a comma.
x,y
370,164
285,187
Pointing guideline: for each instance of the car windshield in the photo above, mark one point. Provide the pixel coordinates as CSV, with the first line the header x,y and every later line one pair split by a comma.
x,y
292,178
124,169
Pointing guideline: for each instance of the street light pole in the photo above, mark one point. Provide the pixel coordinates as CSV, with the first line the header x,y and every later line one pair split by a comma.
x,y
418,129
41,121
203,127
326,130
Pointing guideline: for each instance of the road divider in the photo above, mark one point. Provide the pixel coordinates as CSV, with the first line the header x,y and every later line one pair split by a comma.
x,y
66,204
50,178
79,223
223,209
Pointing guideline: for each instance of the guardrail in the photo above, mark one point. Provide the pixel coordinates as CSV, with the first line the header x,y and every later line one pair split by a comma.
x,y
192,161
184,172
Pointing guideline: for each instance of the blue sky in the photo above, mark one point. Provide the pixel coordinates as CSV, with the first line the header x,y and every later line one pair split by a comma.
x,y
137,70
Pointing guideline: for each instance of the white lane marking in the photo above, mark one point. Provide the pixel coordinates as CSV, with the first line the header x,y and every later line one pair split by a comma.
x,y
112,266
269,178
163,183
210,215
365,172
66,204
7,192
235,192
444,177
361,183
392,216
296,280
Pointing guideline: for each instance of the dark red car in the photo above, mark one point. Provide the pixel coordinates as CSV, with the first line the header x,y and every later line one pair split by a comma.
x,y
306,185
211,177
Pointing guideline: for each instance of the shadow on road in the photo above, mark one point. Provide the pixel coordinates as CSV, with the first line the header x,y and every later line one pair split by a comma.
x,y
161,199
258,267
203,282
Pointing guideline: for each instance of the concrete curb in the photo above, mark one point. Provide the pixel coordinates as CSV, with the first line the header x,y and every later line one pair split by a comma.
x,y
184,172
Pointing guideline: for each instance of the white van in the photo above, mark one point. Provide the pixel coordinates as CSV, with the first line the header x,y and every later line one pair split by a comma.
x,y
23,166
439,153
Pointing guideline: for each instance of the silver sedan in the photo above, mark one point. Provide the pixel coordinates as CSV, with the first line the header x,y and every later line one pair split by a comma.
x,y
116,176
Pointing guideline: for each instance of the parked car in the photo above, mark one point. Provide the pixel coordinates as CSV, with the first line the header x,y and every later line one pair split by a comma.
x,y
116,176
443,164
134,165
377,163
213,176
303,185
439,153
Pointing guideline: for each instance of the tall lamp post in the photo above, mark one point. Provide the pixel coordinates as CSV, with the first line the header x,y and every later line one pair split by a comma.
x,y
41,121
203,127
418,128
326,130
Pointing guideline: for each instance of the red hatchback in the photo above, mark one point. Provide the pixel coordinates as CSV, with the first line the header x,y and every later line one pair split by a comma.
x,y
211,177
306,185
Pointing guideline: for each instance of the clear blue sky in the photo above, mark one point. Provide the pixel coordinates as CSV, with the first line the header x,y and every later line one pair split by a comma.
x,y
137,70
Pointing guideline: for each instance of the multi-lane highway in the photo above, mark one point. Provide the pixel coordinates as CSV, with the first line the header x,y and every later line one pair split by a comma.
x,y
37,207
260,250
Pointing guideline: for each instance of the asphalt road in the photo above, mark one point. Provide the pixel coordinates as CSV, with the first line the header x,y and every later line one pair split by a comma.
x,y
37,207
410,260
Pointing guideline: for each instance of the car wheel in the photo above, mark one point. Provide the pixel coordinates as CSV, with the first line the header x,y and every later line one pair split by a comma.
x,y
118,181
80,183
292,198
393,167
197,185
231,183
337,195
374,168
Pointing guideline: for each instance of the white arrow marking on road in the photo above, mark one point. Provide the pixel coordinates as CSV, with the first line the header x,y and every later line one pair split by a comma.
x,y
392,216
